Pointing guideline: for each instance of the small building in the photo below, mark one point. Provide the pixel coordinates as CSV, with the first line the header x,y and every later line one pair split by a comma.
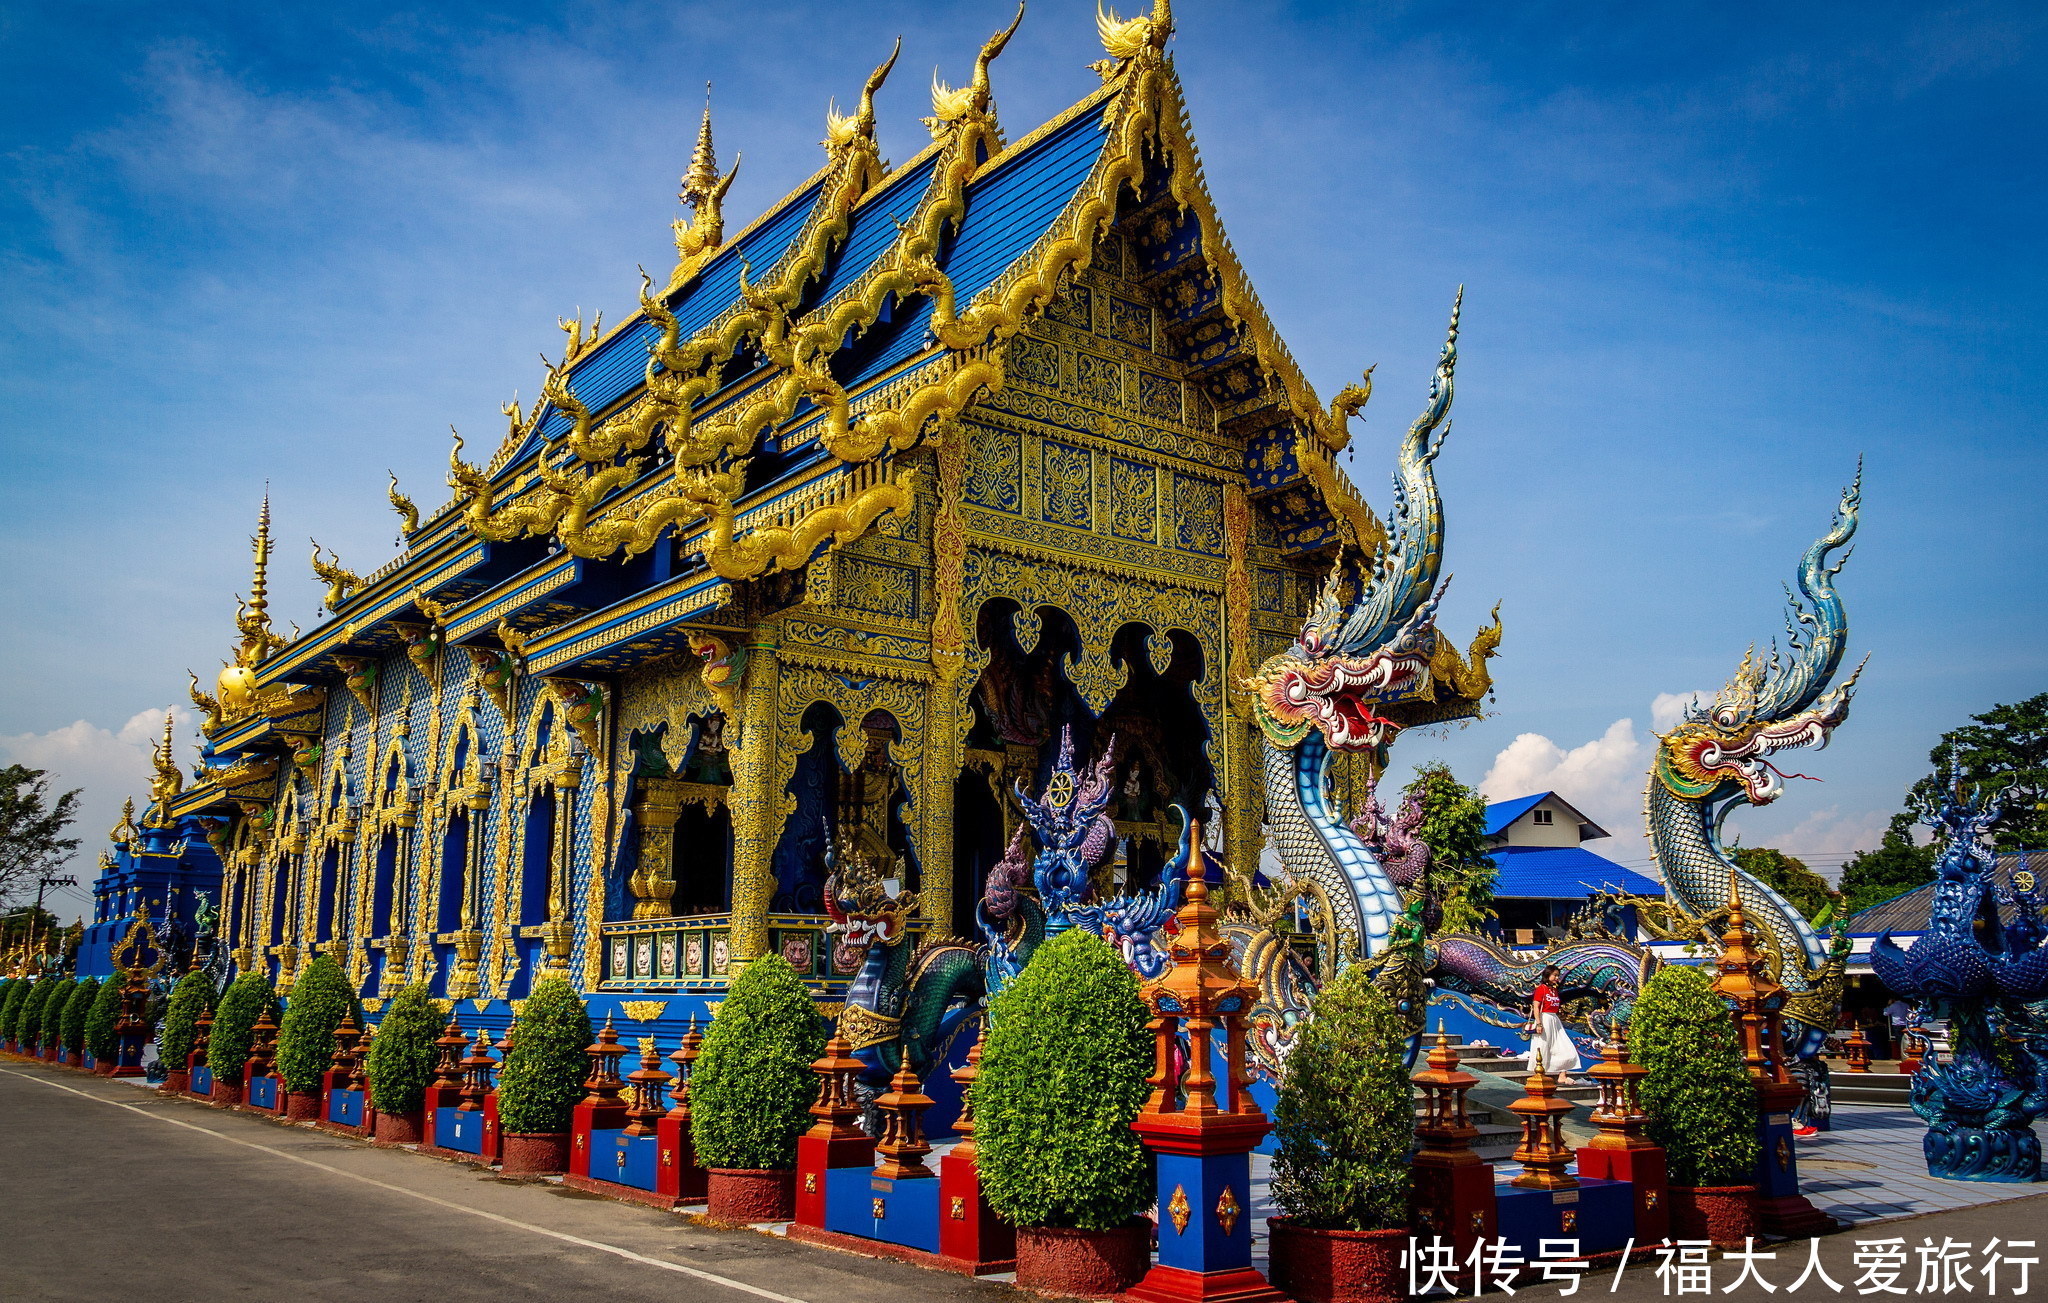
x,y
1544,872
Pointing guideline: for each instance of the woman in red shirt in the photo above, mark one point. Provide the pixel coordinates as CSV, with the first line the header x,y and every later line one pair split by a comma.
x,y
1546,1032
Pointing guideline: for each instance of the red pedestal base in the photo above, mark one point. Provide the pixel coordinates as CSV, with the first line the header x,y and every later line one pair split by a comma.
x,y
1644,1169
678,1179
867,1248
1454,1201
969,1230
816,1155
1165,1284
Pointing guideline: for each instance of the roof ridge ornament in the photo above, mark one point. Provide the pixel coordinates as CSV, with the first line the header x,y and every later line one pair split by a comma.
x,y
843,132
703,189
973,102
1130,41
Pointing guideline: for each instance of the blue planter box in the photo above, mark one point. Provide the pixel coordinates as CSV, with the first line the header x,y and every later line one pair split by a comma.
x,y
620,1158
857,1202
262,1092
345,1107
201,1082
1599,1214
455,1129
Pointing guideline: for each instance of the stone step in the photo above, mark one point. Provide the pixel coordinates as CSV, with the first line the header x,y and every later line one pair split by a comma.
x,y
1586,1093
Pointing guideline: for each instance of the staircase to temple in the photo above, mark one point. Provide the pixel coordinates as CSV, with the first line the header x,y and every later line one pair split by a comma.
x,y
1486,1106
1887,1089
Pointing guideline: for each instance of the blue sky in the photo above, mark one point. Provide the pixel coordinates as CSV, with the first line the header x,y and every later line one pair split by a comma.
x,y
1712,254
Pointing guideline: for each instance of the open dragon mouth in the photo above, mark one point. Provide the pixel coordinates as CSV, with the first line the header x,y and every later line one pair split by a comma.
x,y
1339,697
1701,757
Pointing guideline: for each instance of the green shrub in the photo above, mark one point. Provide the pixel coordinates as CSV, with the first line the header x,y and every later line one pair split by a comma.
x,y
192,996
234,1025
1062,1077
1698,1096
1346,1113
10,1012
50,990
752,1088
543,1074
402,1055
100,1041
75,1011
321,997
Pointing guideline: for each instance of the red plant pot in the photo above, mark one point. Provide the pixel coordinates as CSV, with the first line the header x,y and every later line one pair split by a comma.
x,y
1089,1264
177,1082
226,1094
105,1068
400,1128
74,1059
52,1054
534,1153
301,1105
739,1196
1338,1266
1725,1214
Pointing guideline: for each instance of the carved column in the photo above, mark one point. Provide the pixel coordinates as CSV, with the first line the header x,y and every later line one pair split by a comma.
x,y
757,808
948,658
655,815
1240,779
465,981
558,937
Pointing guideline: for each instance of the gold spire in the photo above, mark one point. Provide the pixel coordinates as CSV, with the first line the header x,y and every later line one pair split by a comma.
x,y
259,604
698,236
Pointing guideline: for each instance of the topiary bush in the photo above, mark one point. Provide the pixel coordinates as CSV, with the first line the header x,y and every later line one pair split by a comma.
x,y
1345,1114
192,996
321,998
75,1011
752,1088
10,1012
402,1055
1062,1077
1698,1096
50,990
100,1017
544,1071
234,1025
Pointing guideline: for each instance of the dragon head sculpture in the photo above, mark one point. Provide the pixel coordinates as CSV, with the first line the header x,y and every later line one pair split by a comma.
x,y
1075,835
1369,660
1722,752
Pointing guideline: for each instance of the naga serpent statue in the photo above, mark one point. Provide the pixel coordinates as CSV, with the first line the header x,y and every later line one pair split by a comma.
x,y
1718,759
1989,981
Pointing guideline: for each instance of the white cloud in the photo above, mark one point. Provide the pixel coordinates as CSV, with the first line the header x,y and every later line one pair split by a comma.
x,y
107,766
1603,778
1668,708
1823,839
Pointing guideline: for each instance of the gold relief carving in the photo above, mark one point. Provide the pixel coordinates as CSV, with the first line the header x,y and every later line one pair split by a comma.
x,y
816,643
1127,321
1179,1210
1069,484
1227,1211
1160,397
763,759
949,556
1075,420
1099,379
1035,360
643,1010
993,480
1198,508
1133,499
875,587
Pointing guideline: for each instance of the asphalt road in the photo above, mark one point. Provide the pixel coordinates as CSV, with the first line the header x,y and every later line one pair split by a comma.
x,y
108,1191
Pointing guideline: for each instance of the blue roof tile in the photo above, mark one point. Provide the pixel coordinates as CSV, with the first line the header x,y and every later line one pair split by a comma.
x,y
1563,873
1502,813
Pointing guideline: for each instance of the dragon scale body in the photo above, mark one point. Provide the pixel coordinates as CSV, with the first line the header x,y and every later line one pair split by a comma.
x,y
1313,842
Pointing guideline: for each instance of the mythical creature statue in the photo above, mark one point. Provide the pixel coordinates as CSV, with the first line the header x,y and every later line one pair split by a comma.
x,y
1719,758
1989,980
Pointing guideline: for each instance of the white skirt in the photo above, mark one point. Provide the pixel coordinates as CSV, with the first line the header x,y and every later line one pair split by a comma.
x,y
1559,1054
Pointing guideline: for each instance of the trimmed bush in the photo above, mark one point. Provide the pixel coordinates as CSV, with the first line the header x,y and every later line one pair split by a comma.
x,y
1062,1077
100,1017
321,998
1346,1113
402,1055
192,996
543,1074
10,1012
49,991
234,1025
752,1088
1698,1096
75,1011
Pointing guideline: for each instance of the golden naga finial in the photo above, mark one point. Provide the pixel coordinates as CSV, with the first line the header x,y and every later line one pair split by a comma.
x,y
124,832
408,514
1351,400
1128,39
972,100
205,703
164,788
578,341
841,132
703,189
340,581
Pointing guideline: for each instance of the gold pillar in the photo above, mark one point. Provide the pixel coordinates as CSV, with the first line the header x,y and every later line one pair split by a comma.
x,y
757,809
558,936
465,981
1240,781
654,817
943,731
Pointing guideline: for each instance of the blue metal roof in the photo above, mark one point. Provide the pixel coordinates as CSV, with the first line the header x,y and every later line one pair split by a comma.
x,y
1562,873
1502,813
871,231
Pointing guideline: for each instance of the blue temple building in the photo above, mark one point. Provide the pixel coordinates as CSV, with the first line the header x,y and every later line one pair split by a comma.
x,y
799,567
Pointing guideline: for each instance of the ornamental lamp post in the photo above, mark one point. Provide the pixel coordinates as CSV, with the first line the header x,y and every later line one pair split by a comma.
x,y
1203,1144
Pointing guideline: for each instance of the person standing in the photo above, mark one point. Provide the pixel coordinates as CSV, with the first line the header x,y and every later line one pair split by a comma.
x,y
1547,1036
